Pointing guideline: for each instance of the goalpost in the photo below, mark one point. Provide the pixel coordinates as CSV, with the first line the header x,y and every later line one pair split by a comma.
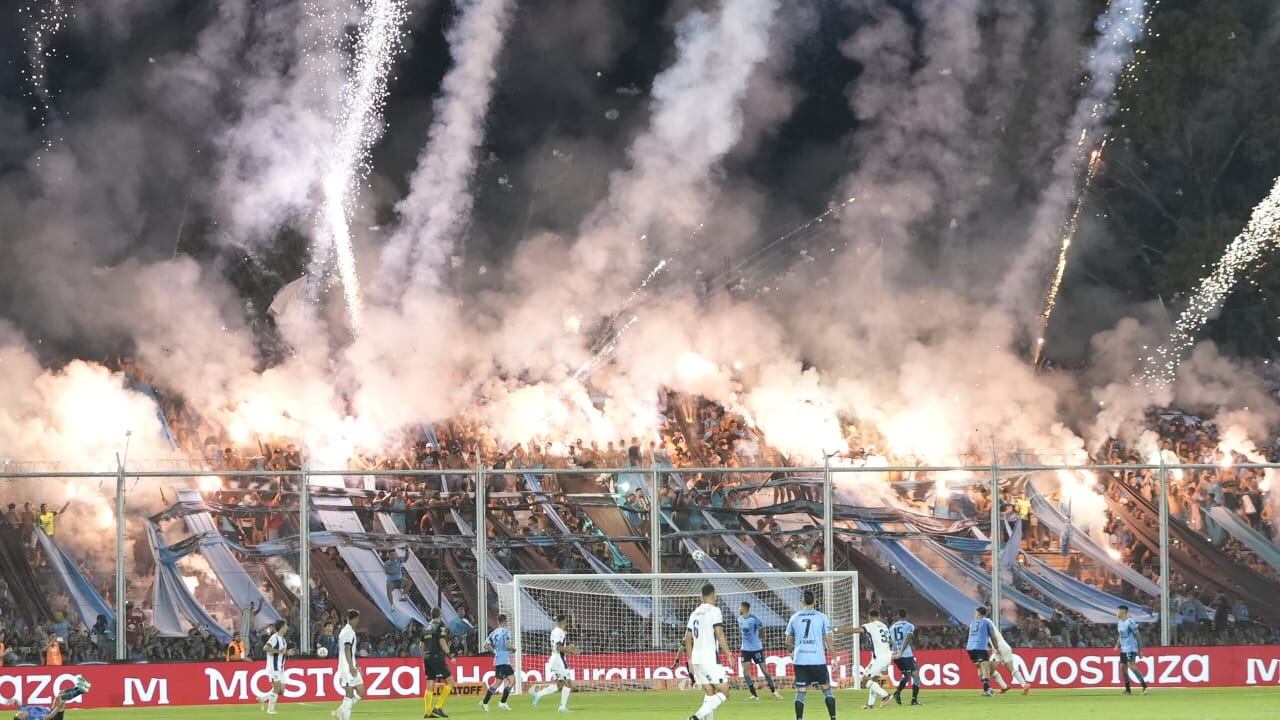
x,y
628,627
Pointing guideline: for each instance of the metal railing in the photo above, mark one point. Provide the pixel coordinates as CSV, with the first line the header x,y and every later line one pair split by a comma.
x,y
989,476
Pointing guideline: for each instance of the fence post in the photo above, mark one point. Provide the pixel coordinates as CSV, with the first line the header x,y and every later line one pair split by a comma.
x,y
828,517
482,552
304,562
1165,628
122,650
995,614
655,552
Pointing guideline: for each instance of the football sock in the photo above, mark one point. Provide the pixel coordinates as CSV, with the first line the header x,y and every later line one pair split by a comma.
x,y
445,691
800,704
1000,681
506,691
751,686
564,697
831,703
768,679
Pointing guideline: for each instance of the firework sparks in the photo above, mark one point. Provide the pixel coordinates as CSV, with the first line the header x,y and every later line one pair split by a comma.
x,y
358,128
1110,61
1064,247
1259,237
44,19
604,352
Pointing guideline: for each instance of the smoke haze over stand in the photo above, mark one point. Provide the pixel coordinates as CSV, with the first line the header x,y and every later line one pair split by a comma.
x,y
94,266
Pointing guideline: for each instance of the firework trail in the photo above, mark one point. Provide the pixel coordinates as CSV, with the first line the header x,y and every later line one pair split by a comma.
x,y
1260,236
438,202
1064,247
358,128
1120,27
44,19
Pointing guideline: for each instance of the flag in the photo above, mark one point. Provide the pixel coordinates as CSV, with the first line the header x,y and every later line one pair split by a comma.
x,y
1066,534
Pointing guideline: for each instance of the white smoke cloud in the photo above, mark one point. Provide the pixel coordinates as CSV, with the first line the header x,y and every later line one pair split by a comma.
x,y
438,203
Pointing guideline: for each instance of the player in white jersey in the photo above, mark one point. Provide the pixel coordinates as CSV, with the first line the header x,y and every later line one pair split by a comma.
x,y
276,650
1004,657
557,666
881,657
349,681
703,641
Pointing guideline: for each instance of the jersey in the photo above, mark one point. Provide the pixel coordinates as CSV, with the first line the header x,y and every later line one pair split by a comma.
x,y
558,637
750,627
979,634
898,633
1128,630
394,568
435,633
809,628
347,639
703,622
275,663
34,712
879,634
500,641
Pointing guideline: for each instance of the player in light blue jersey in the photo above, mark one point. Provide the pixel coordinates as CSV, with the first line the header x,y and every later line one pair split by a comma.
x,y
752,651
500,642
57,711
1127,643
902,635
811,632
980,632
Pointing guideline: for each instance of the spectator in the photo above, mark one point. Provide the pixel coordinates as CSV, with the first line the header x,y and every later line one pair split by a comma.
x,y
327,640
46,517
53,652
235,649
60,627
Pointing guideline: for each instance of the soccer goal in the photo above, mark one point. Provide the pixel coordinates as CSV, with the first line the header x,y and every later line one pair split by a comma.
x,y
627,627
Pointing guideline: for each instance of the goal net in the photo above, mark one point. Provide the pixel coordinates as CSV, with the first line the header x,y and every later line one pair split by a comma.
x,y
627,627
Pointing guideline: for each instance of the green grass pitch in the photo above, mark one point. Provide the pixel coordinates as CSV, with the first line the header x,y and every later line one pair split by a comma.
x,y
1169,704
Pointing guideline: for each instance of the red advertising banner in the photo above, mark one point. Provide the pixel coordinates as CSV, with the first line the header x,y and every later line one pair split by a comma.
x,y
154,684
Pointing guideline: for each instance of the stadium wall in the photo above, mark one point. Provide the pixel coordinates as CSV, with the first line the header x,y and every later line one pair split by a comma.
x,y
179,684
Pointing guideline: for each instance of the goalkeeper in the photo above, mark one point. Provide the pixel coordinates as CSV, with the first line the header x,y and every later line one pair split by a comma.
x,y
53,712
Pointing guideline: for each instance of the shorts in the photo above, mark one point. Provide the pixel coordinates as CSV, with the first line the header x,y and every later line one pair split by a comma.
x,y
502,672
754,656
557,670
879,664
713,674
397,583
275,676
1128,657
348,680
905,665
810,675
436,668
979,655
1004,654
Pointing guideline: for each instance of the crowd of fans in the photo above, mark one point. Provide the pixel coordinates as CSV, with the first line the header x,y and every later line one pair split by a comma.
x,y
693,434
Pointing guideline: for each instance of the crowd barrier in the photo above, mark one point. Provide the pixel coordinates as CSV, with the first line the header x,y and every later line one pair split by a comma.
x,y
180,684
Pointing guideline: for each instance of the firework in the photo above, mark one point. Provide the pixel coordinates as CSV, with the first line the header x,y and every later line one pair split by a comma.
x,y
358,128
1064,247
44,19
1110,59
1258,238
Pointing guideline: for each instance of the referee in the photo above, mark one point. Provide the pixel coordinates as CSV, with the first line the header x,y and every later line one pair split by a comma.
x,y
435,650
